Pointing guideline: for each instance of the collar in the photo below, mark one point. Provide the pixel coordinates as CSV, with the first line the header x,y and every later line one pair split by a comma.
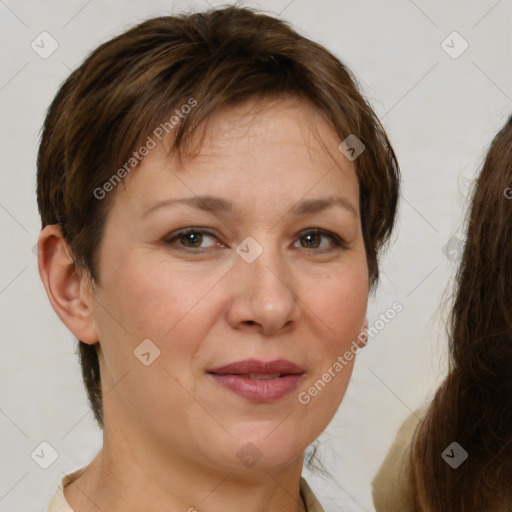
x,y
58,502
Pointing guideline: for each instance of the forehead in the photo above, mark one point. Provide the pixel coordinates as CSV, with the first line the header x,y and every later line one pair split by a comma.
x,y
271,146
269,123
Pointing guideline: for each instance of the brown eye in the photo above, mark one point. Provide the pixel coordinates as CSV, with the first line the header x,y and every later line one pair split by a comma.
x,y
190,238
194,238
313,239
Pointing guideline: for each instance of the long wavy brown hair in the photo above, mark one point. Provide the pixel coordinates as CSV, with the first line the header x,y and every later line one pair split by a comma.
x,y
473,406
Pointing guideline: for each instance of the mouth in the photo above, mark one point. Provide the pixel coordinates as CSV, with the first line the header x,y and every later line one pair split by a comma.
x,y
255,368
259,381
260,376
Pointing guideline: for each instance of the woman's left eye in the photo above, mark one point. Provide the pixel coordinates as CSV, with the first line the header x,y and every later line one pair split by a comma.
x,y
316,234
312,238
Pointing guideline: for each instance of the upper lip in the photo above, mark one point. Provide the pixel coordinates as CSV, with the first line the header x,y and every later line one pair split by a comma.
x,y
281,366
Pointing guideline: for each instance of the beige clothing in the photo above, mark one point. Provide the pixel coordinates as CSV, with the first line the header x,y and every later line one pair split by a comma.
x,y
58,502
392,487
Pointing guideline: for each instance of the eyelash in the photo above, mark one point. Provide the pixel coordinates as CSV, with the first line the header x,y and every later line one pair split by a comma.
x,y
339,243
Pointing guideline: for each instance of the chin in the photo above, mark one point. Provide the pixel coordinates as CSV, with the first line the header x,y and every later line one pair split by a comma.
x,y
262,452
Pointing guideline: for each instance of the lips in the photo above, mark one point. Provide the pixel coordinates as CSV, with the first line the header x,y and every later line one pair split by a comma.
x,y
259,381
257,367
262,376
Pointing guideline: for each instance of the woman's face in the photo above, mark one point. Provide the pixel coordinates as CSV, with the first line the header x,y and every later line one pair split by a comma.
x,y
251,281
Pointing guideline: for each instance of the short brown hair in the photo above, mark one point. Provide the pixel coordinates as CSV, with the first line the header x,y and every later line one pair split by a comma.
x,y
111,103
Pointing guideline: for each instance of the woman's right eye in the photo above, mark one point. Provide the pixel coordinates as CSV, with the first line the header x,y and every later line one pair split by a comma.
x,y
190,238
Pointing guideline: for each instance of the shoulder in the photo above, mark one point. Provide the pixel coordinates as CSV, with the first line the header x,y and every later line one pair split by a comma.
x,y
58,501
392,486
310,500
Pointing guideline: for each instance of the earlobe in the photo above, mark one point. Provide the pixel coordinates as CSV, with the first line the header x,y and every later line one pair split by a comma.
x,y
362,338
68,292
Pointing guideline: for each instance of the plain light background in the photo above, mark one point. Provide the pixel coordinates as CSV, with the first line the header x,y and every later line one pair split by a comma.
x,y
440,113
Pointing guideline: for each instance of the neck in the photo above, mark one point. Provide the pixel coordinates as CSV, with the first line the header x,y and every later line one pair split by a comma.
x,y
131,474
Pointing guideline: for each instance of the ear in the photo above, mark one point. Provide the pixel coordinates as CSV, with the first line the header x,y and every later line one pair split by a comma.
x,y
69,294
362,339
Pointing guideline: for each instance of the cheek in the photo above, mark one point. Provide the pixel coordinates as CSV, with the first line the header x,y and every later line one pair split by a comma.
x,y
168,306
153,299
341,304
340,307
146,303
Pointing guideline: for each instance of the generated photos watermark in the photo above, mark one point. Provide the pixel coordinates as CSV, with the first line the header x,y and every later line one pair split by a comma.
x,y
342,361
158,133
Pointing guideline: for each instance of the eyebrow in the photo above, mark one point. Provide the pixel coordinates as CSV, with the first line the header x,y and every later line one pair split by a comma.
x,y
218,204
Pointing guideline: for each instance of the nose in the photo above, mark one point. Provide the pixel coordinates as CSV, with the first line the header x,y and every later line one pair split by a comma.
x,y
264,295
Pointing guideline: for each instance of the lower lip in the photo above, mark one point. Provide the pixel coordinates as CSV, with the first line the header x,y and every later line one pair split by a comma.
x,y
259,391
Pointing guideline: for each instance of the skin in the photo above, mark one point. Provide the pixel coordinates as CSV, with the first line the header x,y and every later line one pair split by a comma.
x,y
172,433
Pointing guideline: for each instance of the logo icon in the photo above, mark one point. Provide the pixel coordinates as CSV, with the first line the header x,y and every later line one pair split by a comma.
x,y
454,45
249,249
351,147
44,45
146,352
454,455
44,455
453,249
249,455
